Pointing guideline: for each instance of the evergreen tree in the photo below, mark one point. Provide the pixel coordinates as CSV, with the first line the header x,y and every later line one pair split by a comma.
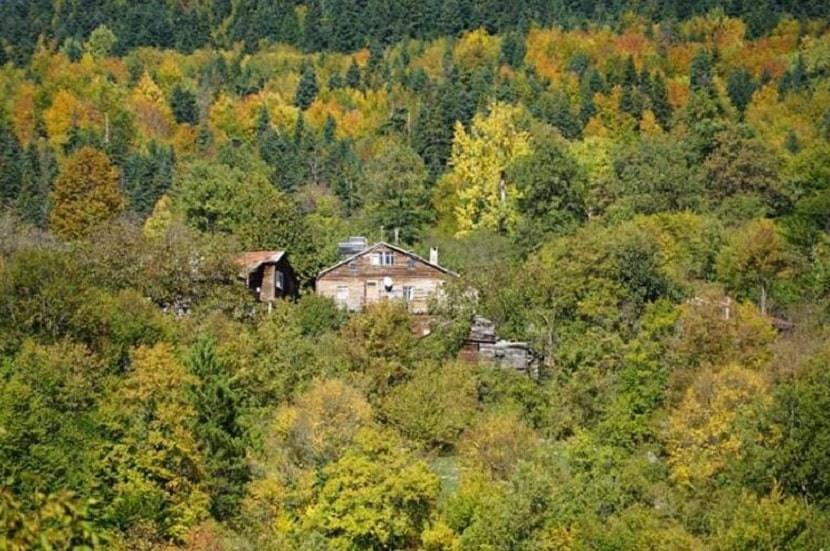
x,y
798,75
329,130
629,75
11,164
513,49
336,81
314,38
555,109
587,106
262,126
218,433
659,101
148,176
183,104
630,102
280,154
353,76
343,24
307,88
204,138
740,86
346,176
432,136
39,171
454,17
701,78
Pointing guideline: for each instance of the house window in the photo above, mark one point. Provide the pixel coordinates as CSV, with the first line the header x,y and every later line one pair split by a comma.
x,y
280,281
385,258
342,296
353,266
408,293
410,263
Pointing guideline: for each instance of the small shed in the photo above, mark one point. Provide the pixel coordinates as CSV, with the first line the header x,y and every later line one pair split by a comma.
x,y
268,274
483,345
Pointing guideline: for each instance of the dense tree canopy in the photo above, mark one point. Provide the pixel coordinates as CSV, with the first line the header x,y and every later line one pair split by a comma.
x,y
638,190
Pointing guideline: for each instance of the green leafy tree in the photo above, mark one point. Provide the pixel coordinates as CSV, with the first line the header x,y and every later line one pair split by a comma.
x,y
376,496
56,520
652,175
49,442
754,260
101,42
153,472
741,165
396,192
551,186
435,405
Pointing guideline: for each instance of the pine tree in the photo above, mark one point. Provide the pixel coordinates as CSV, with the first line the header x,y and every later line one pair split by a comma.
x,y
353,76
629,76
630,102
39,171
740,86
183,104
11,164
587,106
659,101
432,136
262,126
335,81
307,88
799,74
218,432
148,176
329,130
313,36
701,78
204,138
346,177
513,49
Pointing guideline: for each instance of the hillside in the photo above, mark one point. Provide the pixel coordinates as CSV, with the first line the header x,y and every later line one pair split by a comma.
x,y
640,192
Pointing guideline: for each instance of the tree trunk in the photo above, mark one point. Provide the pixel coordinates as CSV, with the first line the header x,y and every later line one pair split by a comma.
x,y
763,304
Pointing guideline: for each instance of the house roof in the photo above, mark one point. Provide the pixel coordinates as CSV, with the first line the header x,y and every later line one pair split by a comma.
x,y
394,248
251,260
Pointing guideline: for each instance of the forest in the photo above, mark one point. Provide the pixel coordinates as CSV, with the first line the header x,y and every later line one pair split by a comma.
x,y
640,190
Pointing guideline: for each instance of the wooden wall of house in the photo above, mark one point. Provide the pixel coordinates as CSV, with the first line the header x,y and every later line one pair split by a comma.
x,y
359,282
268,281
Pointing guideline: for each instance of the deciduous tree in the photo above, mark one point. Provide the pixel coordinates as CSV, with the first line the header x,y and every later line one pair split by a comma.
x,y
86,193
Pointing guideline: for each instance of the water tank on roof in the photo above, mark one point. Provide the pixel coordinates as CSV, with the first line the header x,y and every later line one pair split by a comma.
x,y
352,246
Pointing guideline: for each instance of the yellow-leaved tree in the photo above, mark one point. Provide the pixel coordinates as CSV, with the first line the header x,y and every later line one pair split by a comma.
x,y
477,191
701,431
85,194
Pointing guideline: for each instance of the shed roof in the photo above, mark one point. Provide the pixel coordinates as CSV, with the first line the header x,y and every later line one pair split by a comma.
x,y
394,248
251,260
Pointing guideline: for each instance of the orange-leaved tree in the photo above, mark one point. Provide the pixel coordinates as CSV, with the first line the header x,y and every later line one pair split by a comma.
x,y
85,194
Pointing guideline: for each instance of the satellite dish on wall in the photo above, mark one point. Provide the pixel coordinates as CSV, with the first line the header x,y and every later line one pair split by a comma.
x,y
387,283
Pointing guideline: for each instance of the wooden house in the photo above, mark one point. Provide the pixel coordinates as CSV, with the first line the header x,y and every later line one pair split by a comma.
x,y
268,274
383,272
